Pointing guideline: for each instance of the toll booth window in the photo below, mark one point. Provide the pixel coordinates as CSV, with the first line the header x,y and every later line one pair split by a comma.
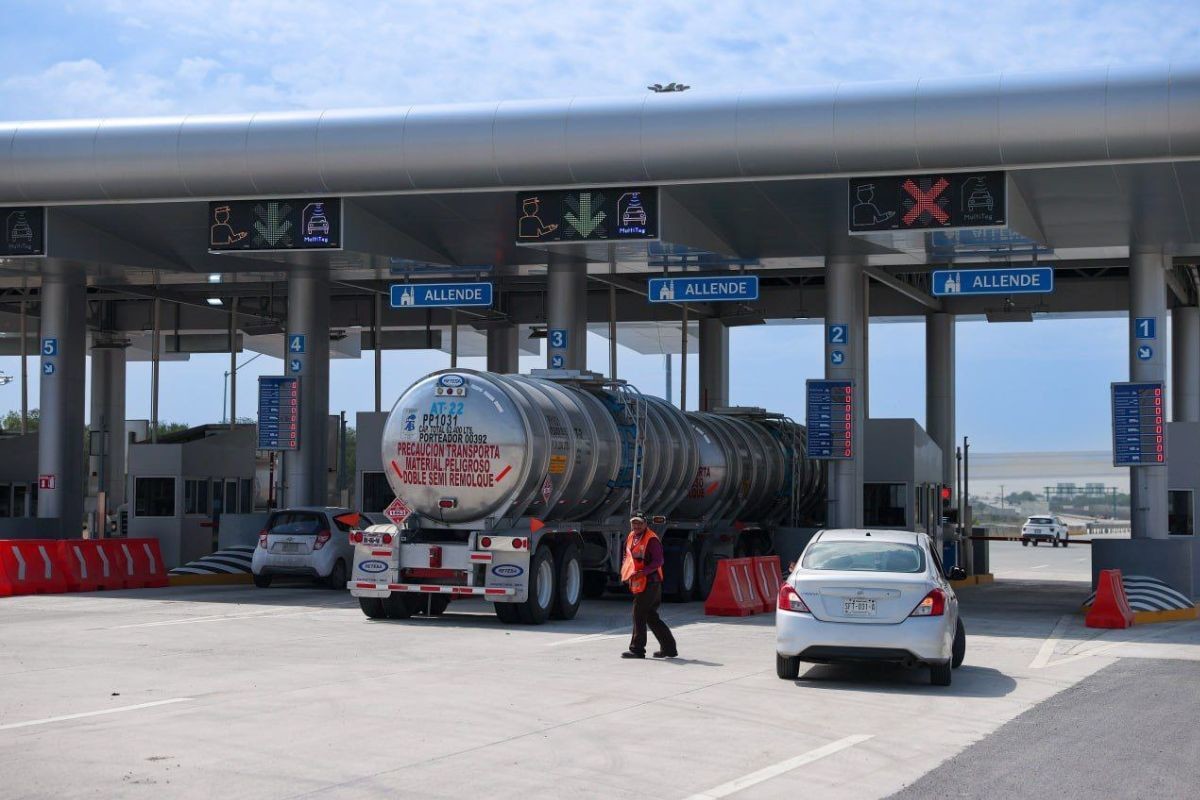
x,y
20,491
231,496
376,493
154,497
6,507
195,497
247,495
885,505
1180,517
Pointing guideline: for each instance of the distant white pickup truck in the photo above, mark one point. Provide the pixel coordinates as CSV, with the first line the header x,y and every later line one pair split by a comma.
x,y
1044,529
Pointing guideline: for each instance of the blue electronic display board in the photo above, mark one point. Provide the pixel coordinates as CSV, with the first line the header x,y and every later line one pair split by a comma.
x,y
1139,430
924,202
829,415
278,413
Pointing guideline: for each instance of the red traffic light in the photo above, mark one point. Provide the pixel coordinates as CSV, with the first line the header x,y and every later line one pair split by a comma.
x,y
945,492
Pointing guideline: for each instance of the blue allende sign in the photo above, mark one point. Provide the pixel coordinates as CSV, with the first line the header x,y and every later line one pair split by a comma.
x,y
703,290
999,280
441,295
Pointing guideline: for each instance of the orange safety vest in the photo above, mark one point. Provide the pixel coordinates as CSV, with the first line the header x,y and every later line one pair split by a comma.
x,y
635,558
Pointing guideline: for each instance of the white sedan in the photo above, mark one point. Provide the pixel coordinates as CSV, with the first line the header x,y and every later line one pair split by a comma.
x,y
859,595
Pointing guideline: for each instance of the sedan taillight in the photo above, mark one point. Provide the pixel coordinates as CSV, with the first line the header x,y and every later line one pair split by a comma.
x,y
934,605
789,600
322,539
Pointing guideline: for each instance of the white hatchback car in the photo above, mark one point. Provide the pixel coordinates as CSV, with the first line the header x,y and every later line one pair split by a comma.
x,y
860,595
310,541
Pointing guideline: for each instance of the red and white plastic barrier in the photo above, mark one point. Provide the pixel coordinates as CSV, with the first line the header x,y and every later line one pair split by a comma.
x,y
43,566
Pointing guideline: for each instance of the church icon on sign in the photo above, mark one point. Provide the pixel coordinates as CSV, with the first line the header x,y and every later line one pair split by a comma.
x,y
953,283
666,291
408,298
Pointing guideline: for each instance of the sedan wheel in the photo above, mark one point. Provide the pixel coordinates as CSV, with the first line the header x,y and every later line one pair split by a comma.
x,y
787,667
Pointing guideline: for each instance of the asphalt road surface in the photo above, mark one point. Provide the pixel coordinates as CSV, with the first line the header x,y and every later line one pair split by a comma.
x,y
1128,731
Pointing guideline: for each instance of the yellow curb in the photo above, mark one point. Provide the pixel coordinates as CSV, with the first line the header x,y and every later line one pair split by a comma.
x,y
212,580
1172,615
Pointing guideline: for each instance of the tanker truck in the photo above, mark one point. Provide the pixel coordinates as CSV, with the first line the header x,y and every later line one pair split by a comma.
x,y
519,490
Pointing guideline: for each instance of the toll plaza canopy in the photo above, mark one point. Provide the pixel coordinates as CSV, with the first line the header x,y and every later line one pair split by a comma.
x,y
1092,162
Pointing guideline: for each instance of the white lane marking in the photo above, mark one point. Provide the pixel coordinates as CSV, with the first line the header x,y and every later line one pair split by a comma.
x,y
1046,651
746,781
1040,566
14,725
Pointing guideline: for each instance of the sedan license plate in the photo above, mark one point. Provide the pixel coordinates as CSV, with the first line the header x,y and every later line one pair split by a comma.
x,y
373,539
858,607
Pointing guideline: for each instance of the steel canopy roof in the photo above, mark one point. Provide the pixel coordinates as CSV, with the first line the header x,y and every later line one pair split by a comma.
x,y
1006,121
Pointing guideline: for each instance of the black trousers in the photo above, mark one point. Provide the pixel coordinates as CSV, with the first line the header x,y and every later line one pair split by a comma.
x,y
645,614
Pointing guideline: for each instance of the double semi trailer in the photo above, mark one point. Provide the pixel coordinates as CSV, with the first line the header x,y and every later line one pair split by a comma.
x,y
519,490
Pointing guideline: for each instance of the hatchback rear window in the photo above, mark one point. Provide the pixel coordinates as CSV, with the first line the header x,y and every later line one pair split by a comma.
x,y
1040,521
853,556
296,522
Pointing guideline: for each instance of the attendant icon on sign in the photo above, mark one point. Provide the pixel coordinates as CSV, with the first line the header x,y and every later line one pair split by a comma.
x,y
866,214
666,291
221,232
530,225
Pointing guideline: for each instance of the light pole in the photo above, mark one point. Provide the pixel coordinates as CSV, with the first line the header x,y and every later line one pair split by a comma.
x,y
225,390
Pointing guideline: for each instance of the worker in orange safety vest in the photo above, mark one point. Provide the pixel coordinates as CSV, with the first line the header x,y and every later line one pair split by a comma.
x,y
642,570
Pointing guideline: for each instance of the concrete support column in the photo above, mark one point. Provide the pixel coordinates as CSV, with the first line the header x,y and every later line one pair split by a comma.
x,y
714,363
1148,298
60,438
566,312
106,465
845,304
502,349
939,389
308,317
1185,364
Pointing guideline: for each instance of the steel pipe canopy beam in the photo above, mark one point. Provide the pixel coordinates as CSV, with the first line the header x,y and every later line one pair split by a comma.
x,y
1103,115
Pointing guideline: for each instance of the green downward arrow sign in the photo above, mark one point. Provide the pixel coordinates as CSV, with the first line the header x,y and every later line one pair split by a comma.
x,y
273,225
587,216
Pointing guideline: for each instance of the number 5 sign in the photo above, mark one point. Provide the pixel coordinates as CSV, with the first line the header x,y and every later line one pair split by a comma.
x,y
49,347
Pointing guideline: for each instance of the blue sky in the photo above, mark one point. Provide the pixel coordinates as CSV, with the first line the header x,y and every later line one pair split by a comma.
x,y
1040,386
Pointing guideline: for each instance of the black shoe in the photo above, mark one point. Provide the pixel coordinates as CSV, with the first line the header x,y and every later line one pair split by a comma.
x,y
631,654
665,654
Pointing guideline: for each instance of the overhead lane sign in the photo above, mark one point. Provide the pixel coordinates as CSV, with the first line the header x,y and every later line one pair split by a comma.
x,y
925,202
306,223
440,295
24,231
703,290
572,216
999,280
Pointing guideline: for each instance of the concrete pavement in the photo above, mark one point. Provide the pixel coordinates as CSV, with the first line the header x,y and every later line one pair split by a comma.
x,y
238,692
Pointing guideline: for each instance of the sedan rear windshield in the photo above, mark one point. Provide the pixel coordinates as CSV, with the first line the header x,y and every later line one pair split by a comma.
x,y
865,557
1040,521
296,522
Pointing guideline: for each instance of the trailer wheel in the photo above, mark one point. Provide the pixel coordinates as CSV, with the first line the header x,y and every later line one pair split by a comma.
x,y
686,586
706,575
569,584
372,607
337,576
594,584
536,609
397,606
433,605
506,612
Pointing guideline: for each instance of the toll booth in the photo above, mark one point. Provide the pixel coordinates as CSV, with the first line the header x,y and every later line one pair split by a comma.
x,y
902,477
18,489
371,485
179,488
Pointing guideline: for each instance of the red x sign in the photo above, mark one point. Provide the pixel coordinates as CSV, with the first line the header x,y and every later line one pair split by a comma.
x,y
926,202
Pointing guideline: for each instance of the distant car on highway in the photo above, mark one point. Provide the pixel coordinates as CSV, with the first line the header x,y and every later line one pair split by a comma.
x,y
309,541
1044,529
859,595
